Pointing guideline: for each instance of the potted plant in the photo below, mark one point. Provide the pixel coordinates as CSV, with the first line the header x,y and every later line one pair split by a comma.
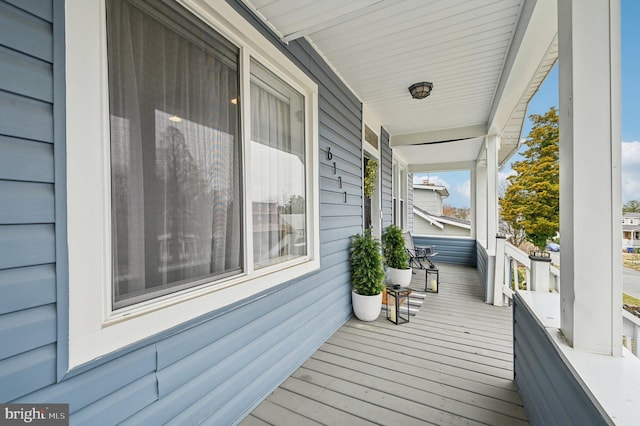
x,y
396,257
370,176
367,276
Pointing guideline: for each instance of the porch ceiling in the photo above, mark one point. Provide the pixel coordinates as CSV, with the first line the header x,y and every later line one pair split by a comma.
x,y
467,48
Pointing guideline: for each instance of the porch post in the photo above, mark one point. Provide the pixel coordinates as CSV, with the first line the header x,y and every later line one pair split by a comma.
x,y
499,274
493,145
590,180
539,280
474,197
481,202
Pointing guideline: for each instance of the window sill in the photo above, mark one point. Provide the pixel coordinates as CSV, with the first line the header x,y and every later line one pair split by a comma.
x,y
96,340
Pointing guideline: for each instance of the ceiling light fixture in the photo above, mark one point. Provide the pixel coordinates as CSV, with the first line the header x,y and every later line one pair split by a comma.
x,y
420,90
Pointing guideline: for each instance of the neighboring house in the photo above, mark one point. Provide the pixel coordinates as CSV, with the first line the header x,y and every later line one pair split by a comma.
x,y
630,231
428,218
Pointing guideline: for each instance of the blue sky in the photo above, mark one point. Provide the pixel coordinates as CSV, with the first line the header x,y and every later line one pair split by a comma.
x,y
547,96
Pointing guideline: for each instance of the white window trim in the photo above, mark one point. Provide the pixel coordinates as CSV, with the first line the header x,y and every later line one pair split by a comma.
x,y
94,330
370,120
400,190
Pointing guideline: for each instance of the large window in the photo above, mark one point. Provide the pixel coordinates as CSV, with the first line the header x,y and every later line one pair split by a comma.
x,y
175,152
192,167
175,155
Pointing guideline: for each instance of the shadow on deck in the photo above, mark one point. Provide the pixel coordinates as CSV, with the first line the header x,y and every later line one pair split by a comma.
x,y
452,364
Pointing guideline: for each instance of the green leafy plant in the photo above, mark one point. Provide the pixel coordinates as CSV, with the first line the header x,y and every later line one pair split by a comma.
x,y
393,248
367,272
370,176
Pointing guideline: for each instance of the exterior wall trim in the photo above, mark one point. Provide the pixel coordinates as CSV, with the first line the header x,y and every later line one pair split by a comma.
x,y
60,185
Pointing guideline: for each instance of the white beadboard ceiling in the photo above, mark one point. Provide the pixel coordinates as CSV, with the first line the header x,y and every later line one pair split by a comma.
x,y
381,47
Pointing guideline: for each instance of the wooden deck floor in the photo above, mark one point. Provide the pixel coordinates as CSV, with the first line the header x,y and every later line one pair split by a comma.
x,y
451,364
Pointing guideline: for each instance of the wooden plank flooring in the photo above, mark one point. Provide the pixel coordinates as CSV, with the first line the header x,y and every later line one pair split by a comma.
x,y
452,364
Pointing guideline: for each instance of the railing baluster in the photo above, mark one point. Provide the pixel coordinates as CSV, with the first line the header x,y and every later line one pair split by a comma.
x,y
507,278
627,342
631,332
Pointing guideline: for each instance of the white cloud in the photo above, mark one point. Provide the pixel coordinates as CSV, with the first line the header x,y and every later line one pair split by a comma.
x,y
503,183
505,175
630,153
417,179
464,189
630,171
434,180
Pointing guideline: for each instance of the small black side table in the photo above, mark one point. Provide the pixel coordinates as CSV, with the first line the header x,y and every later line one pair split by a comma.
x,y
431,279
396,297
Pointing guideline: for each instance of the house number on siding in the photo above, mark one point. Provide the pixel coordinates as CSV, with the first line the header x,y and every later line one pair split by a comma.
x,y
335,171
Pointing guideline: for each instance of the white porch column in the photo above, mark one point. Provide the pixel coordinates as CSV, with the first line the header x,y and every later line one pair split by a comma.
x,y
492,146
474,197
499,277
590,182
481,202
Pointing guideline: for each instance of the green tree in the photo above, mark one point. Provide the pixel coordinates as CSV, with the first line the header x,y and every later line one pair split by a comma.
x,y
632,206
295,204
531,202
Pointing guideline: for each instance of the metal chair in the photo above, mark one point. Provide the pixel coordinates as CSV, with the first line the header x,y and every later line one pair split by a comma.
x,y
418,254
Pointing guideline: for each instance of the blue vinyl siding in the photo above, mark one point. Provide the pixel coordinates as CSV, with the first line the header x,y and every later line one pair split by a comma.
x,y
93,385
25,160
26,202
461,251
23,373
26,245
551,393
28,316
35,75
24,31
216,367
39,8
25,118
27,329
27,287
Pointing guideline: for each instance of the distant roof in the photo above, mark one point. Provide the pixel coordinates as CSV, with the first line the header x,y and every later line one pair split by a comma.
x,y
630,227
442,190
625,214
439,220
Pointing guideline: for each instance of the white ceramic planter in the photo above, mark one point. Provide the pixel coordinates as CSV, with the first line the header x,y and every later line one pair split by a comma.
x,y
366,308
402,277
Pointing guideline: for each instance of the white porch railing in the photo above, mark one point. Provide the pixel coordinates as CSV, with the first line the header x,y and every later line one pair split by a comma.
x,y
508,280
515,259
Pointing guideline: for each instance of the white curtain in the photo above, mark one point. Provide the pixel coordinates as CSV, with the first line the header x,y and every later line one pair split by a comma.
x,y
175,151
277,169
